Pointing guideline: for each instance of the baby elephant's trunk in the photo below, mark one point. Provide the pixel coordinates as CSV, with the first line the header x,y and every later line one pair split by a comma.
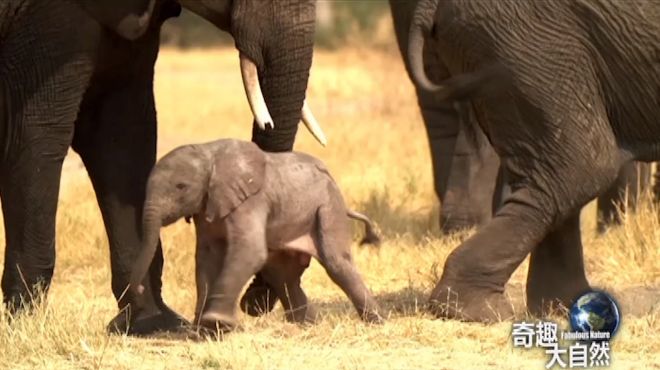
x,y
370,236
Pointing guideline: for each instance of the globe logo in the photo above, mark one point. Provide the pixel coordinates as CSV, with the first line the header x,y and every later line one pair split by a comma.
x,y
595,311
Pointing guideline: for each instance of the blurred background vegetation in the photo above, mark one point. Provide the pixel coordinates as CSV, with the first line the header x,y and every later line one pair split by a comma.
x,y
339,23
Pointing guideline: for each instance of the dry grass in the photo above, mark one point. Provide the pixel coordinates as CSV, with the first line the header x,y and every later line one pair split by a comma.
x,y
378,154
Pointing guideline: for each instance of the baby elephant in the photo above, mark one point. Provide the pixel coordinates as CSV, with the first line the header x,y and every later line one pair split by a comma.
x,y
253,211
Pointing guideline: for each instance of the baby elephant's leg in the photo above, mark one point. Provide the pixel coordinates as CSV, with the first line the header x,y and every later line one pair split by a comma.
x,y
244,255
208,257
283,272
259,298
335,256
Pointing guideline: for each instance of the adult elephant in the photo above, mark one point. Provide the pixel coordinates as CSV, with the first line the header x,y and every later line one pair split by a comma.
x,y
465,171
575,100
79,73
465,174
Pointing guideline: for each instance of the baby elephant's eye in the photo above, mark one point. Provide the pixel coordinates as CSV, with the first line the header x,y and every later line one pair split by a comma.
x,y
181,186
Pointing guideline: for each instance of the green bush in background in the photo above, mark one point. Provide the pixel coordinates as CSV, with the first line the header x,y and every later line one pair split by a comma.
x,y
339,22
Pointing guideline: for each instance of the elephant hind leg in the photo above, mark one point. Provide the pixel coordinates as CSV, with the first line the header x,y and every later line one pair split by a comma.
x,y
334,255
556,268
283,272
530,220
259,298
633,180
472,283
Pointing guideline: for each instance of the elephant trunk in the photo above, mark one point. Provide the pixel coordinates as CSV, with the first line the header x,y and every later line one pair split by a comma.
x,y
281,48
151,224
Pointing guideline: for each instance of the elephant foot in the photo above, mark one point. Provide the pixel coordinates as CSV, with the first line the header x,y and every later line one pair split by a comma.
x,y
302,315
145,323
22,300
215,322
469,303
259,298
372,317
543,302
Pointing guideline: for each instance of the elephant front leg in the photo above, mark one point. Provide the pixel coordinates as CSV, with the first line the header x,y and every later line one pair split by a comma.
x,y
116,139
29,190
208,260
556,268
244,255
41,86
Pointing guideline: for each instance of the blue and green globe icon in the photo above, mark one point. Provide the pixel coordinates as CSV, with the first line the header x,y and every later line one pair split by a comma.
x,y
595,311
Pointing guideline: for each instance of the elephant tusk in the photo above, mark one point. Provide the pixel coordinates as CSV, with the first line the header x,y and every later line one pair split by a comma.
x,y
313,125
254,95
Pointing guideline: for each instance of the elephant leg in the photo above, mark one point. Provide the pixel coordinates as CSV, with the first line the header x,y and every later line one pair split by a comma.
x,y
245,254
259,298
335,256
29,190
556,268
502,189
283,273
116,139
473,279
464,171
470,172
41,86
633,180
540,215
118,169
209,258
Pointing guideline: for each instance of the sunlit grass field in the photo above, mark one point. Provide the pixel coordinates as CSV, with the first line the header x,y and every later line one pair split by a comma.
x,y
378,153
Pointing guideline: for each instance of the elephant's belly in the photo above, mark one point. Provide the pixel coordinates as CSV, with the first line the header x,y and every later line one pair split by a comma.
x,y
303,244
291,228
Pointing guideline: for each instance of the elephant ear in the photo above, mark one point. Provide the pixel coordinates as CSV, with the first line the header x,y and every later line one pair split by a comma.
x,y
237,173
128,18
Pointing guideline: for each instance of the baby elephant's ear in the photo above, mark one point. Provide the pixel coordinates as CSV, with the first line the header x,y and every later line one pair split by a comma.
x,y
237,174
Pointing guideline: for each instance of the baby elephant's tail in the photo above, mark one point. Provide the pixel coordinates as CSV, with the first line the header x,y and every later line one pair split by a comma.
x,y
370,236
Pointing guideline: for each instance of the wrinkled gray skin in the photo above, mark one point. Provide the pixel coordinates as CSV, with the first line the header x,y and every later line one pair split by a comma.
x,y
465,174
253,211
465,171
79,73
580,102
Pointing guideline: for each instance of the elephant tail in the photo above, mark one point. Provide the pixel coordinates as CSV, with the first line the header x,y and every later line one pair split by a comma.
x,y
459,87
370,236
